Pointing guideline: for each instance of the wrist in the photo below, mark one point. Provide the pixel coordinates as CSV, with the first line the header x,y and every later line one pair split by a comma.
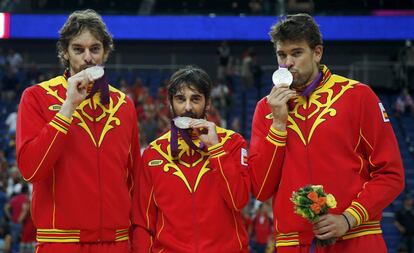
x,y
279,126
347,222
67,109
349,219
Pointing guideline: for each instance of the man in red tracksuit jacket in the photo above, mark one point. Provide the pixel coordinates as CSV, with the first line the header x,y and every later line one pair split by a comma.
x,y
79,147
189,197
326,130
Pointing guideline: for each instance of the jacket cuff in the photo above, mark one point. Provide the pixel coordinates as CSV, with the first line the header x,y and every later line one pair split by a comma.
x,y
61,123
359,212
277,137
216,150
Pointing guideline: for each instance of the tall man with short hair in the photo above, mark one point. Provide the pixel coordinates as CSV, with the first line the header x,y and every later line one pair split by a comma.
x,y
324,130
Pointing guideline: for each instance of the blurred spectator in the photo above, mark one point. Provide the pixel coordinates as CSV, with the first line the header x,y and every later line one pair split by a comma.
x,y
3,201
11,148
137,89
261,229
11,121
28,236
16,211
402,249
14,184
4,165
256,7
220,98
126,88
404,103
3,59
257,73
247,220
404,221
5,237
407,61
246,68
295,6
149,126
247,82
10,84
15,60
213,115
235,124
163,109
223,52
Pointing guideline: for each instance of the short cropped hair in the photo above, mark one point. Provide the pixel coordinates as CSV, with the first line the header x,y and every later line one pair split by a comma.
x,y
296,28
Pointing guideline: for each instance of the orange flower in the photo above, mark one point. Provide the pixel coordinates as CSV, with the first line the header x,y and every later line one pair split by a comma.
x,y
322,201
313,196
316,208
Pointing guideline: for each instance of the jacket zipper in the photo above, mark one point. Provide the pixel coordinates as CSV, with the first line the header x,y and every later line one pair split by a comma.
x,y
194,207
307,141
99,171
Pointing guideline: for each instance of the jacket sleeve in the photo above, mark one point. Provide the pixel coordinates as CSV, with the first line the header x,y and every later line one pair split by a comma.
x,y
266,155
39,141
144,209
379,148
229,162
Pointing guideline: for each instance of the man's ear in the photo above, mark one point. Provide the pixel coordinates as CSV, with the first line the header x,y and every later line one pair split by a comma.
x,y
172,110
66,56
208,105
105,56
317,53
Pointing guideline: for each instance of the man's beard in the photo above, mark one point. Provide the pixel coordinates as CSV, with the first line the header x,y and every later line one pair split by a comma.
x,y
300,84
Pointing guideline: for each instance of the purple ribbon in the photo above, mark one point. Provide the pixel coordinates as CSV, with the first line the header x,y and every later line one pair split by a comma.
x,y
312,86
312,247
186,137
101,85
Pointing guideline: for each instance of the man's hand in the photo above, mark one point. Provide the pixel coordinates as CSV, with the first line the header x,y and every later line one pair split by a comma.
x,y
277,101
331,226
209,135
76,92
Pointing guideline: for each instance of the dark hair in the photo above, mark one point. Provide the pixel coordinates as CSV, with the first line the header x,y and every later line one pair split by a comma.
x,y
78,22
25,188
296,27
190,76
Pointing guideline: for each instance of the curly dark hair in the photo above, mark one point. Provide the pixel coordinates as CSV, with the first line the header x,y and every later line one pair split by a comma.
x,y
78,22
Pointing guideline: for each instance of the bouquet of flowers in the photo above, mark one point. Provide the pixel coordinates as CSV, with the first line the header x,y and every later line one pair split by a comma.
x,y
311,202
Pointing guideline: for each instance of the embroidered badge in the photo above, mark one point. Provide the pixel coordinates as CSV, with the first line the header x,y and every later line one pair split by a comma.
x,y
54,107
384,113
243,158
155,163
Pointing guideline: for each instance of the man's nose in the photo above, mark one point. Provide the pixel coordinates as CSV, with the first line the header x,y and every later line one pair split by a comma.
x,y
87,56
188,106
289,61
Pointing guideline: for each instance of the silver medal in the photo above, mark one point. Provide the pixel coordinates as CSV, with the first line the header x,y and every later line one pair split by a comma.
x,y
182,122
282,76
94,73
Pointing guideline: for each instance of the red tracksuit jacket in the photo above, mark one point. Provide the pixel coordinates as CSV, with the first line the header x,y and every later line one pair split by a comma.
x,y
340,137
82,169
192,204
